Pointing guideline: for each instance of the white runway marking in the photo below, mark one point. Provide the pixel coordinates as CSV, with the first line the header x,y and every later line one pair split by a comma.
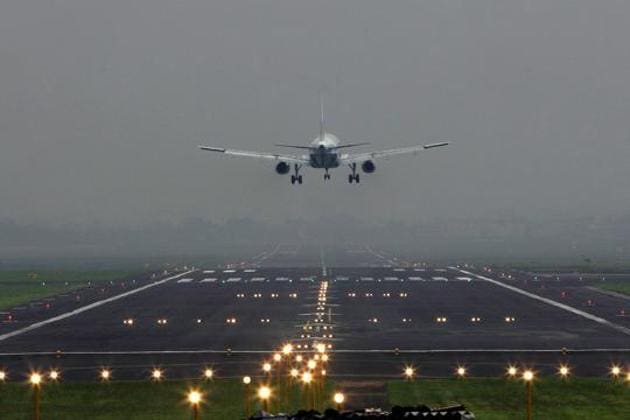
x,y
88,307
558,305
463,278
440,279
184,280
209,280
233,280
208,271
416,279
257,279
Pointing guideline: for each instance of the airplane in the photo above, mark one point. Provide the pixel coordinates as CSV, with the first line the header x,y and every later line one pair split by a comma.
x,y
324,153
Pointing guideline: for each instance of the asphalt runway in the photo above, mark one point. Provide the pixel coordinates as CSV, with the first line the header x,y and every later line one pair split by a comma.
x,y
379,314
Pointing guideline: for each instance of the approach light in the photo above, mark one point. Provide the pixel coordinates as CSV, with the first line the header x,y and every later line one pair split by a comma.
x,y
277,357
264,392
528,375
194,397
208,373
339,398
294,373
564,371
307,377
461,371
512,371
287,349
299,358
35,379
311,364
54,375
247,380
106,374
615,371
409,372
266,367
3,376
157,375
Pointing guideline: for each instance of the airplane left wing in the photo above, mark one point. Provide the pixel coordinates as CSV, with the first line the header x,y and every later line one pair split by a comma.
x,y
351,158
258,155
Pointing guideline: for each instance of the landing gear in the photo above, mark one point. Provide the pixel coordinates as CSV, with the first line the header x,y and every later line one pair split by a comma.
x,y
326,175
297,177
354,176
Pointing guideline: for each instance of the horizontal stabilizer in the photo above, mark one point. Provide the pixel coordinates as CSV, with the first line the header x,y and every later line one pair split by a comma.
x,y
343,146
293,147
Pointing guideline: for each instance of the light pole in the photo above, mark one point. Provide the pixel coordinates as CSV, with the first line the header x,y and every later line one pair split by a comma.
x,y
339,398
194,398
264,393
246,381
36,381
528,377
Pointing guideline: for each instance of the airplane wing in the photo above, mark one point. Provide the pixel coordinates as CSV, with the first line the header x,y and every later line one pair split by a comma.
x,y
258,155
359,157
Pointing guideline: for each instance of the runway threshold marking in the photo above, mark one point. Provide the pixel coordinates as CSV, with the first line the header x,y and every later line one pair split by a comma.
x,y
85,308
551,302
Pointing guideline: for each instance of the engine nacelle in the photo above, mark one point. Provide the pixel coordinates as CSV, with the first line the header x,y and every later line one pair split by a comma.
x,y
283,168
368,167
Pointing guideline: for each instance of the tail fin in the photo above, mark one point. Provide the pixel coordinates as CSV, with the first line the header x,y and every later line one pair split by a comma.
x,y
322,131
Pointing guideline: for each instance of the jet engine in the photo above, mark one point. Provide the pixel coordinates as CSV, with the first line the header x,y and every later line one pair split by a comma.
x,y
368,167
283,168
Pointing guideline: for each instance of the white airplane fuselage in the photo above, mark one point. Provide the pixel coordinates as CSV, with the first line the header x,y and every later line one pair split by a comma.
x,y
323,153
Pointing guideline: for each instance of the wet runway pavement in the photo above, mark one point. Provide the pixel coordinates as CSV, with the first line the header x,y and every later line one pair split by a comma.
x,y
379,314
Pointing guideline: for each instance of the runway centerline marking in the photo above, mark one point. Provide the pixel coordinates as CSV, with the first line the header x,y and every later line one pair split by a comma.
x,y
85,308
551,302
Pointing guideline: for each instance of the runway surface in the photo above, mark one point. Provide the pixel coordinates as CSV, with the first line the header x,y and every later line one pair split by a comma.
x,y
379,314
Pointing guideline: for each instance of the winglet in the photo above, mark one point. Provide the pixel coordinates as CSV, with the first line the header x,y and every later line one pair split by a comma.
x,y
432,145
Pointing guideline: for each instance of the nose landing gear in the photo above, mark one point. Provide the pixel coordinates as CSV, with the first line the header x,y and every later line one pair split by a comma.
x,y
326,175
354,176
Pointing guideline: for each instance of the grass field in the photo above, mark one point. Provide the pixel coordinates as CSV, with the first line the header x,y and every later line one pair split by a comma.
x,y
18,287
223,399
494,399
619,286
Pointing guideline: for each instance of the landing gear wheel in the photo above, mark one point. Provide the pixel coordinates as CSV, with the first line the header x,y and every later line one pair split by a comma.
x,y
292,179
299,179
356,178
350,178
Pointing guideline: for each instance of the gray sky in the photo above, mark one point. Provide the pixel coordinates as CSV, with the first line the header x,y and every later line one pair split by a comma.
x,y
102,104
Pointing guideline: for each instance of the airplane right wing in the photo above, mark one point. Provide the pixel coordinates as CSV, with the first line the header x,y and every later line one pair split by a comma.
x,y
258,155
350,158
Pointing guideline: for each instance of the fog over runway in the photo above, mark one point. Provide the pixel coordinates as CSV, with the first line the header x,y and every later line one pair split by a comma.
x,y
380,313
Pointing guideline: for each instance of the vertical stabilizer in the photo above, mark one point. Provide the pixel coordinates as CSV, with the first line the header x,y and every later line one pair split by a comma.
x,y
321,119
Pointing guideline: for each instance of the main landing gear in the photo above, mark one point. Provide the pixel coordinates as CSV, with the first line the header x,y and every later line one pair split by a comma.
x,y
354,176
326,175
297,177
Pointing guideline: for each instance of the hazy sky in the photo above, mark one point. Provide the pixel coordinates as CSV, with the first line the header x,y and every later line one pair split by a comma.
x,y
102,105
